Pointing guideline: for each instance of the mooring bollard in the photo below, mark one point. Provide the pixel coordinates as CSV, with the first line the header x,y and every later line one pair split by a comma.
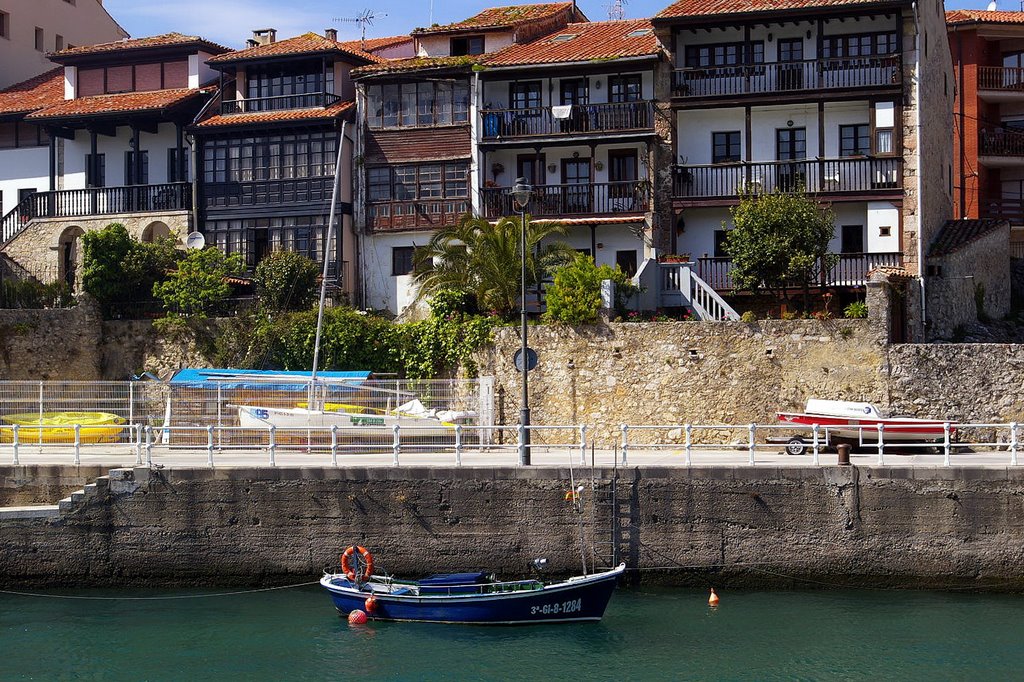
x,y
844,454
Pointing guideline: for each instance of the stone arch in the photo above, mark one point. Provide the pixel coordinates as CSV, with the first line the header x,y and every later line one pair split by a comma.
x,y
155,230
69,255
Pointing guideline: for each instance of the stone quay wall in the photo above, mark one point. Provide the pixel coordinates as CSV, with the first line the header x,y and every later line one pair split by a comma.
x,y
740,526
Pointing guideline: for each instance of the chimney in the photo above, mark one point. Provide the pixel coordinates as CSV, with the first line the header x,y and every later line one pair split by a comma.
x,y
264,36
331,34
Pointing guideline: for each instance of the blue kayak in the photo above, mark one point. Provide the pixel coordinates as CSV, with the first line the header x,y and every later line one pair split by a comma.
x,y
475,598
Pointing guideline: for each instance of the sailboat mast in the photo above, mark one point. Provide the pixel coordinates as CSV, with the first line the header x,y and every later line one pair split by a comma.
x,y
327,253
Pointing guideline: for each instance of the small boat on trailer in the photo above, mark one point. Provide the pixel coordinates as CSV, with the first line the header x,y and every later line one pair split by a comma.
x,y
468,598
858,423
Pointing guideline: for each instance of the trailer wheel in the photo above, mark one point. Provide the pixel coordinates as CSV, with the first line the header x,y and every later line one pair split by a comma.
x,y
795,446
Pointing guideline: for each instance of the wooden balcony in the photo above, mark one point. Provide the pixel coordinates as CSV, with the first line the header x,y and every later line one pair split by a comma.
x,y
1003,145
850,271
785,77
311,100
1000,83
581,120
845,176
584,199
96,201
383,216
290,192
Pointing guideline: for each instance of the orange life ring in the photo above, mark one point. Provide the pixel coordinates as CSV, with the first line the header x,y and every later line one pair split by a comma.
x,y
346,563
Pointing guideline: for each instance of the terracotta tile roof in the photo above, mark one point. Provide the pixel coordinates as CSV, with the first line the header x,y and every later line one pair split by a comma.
x,y
499,17
155,100
970,16
36,93
697,8
283,116
417,64
373,44
307,43
583,42
956,234
165,40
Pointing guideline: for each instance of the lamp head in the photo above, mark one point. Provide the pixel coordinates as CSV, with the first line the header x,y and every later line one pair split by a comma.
x,y
521,193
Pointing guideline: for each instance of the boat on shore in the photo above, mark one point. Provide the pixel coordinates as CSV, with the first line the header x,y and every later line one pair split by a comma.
x,y
411,415
59,427
858,422
469,598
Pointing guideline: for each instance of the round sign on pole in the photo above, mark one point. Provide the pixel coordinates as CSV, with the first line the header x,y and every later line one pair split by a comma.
x,y
531,359
195,240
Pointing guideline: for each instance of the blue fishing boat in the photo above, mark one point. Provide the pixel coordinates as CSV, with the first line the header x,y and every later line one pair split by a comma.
x,y
471,598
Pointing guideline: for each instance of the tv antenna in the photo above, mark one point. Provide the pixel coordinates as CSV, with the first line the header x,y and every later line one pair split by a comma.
x,y
616,10
364,19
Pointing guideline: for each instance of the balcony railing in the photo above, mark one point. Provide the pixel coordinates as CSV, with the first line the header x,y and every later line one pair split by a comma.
x,y
1009,78
825,176
605,198
850,270
774,77
426,214
1001,142
310,100
581,119
96,201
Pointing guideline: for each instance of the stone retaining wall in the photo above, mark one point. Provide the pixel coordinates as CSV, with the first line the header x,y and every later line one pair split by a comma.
x,y
737,525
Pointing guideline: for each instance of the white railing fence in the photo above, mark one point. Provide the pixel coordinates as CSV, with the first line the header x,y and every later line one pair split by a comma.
x,y
984,444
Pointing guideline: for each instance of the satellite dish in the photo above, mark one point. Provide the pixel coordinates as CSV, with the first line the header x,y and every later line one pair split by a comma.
x,y
195,241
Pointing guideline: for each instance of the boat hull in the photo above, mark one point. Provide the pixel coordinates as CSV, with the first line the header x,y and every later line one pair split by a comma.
x,y
252,417
579,599
867,429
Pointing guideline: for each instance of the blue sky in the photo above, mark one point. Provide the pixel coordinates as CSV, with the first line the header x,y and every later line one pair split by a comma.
x,y
230,21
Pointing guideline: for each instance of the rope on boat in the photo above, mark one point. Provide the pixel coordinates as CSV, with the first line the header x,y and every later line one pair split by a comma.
x,y
163,598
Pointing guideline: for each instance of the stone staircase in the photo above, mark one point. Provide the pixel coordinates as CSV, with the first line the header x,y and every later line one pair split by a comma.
x,y
116,481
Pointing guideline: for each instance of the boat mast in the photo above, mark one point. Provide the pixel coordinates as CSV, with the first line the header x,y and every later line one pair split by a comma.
x,y
323,277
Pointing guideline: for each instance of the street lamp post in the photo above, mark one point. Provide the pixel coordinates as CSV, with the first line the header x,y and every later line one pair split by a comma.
x,y
521,196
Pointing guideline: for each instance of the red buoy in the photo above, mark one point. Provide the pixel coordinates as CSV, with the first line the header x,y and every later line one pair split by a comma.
x,y
713,599
356,617
371,604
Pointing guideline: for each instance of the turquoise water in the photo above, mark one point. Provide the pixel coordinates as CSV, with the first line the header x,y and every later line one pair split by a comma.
x,y
295,634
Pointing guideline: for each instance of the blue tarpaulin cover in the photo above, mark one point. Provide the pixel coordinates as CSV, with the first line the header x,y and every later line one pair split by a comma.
x,y
255,379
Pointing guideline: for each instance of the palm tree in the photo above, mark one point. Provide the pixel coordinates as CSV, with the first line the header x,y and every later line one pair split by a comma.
x,y
482,259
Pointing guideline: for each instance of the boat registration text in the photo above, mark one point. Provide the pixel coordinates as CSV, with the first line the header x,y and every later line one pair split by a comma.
x,y
571,606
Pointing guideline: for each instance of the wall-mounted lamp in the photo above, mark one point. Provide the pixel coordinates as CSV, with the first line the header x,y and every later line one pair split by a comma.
x,y
770,37
597,85
575,155
552,168
600,245
789,124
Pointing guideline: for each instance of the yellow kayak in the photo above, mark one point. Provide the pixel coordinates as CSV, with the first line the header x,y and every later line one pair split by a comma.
x,y
59,427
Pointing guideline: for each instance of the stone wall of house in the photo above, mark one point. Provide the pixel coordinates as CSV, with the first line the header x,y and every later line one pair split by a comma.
x,y
39,249
970,284
51,344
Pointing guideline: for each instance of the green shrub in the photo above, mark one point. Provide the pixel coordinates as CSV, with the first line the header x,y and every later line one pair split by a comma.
x,y
286,280
575,296
856,310
117,267
788,315
199,283
748,316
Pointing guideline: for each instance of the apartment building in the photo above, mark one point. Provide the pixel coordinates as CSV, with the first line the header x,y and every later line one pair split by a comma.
x,y
30,29
419,121
841,100
113,120
988,114
268,149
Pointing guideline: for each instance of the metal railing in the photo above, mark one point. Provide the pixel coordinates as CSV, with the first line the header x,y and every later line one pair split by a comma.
x,y
851,269
1001,142
587,198
952,444
796,76
398,215
309,100
1001,78
818,176
96,201
580,119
